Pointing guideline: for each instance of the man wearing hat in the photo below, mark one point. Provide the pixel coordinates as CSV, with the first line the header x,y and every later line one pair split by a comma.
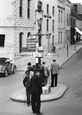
x,y
29,67
36,91
26,81
26,85
54,72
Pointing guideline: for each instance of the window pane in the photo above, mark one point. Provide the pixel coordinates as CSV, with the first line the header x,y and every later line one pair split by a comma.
x,y
2,40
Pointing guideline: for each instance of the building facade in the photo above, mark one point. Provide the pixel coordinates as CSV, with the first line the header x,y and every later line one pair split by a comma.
x,y
76,21
20,21
61,22
15,24
67,21
49,24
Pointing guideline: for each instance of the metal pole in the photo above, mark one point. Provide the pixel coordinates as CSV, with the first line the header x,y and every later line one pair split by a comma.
x,y
39,37
67,50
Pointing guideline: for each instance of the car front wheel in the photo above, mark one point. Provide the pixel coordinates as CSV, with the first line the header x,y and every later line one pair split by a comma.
x,y
14,70
6,73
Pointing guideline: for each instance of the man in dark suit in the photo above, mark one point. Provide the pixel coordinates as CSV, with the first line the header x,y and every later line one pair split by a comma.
x,y
27,86
26,82
36,91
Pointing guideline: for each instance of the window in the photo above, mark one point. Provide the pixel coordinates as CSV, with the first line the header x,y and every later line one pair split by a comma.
x,y
59,37
53,26
47,8
28,9
61,1
2,40
20,9
53,11
20,42
28,34
59,16
47,25
60,19
68,19
53,41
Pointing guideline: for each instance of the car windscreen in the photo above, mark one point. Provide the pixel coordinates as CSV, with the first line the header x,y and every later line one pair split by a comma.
x,y
2,61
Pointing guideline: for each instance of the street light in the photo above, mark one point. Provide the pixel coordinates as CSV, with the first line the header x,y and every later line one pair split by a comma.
x,y
39,17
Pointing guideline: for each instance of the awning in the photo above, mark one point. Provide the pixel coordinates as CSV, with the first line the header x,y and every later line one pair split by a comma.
x,y
78,30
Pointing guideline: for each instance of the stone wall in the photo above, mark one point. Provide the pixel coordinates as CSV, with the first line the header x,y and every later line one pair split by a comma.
x,y
23,24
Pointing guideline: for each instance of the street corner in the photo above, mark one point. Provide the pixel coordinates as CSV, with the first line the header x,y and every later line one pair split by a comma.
x,y
19,95
56,93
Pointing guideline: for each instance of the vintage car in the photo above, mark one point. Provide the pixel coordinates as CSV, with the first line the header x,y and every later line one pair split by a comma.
x,y
6,66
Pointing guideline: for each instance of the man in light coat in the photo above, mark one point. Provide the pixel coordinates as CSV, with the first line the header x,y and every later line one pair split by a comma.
x,y
54,73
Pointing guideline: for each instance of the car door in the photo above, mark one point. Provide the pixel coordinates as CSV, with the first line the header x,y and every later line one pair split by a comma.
x,y
9,67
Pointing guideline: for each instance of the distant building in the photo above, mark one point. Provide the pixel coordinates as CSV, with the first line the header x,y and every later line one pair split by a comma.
x,y
67,21
76,21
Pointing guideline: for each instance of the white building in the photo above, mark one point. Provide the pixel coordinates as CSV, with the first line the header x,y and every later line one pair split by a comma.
x,y
17,19
67,21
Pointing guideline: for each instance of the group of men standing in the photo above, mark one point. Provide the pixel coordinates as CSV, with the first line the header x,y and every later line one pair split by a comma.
x,y
33,82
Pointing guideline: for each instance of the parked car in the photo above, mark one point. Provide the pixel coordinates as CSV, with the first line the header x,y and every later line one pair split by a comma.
x,y
6,66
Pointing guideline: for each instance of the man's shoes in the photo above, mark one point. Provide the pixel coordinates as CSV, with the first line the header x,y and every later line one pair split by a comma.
x,y
34,112
28,104
39,113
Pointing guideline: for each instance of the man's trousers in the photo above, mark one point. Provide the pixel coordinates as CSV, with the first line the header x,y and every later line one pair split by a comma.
x,y
35,102
54,76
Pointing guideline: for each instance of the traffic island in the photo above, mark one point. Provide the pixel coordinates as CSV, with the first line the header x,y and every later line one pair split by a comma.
x,y
55,93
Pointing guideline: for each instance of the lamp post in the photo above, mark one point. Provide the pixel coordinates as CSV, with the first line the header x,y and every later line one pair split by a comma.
x,y
39,16
67,47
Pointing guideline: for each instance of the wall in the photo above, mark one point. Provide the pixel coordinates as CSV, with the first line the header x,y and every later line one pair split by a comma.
x,y
23,24
67,21
8,49
6,12
46,41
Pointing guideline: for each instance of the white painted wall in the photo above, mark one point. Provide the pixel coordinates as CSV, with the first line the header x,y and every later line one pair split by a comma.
x,y
8,49
6,12
45,41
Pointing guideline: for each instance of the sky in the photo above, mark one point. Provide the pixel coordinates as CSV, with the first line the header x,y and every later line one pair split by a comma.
x,y
76,1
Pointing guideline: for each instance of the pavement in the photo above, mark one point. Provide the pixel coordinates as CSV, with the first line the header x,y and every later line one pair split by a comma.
x,y
56,92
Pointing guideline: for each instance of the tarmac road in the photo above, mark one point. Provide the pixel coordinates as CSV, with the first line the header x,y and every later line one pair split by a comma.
x,y
69,104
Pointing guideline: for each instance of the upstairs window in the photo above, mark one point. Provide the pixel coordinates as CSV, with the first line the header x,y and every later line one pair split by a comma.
x,y
28,9
53,26
53,41
47,25
2,40
53,10
20,42
47,8
20,9
59,16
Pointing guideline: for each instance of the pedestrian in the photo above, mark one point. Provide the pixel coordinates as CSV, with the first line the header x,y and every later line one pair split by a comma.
x,y
29,67
54,73
26,83
74,42
45,72
36,91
